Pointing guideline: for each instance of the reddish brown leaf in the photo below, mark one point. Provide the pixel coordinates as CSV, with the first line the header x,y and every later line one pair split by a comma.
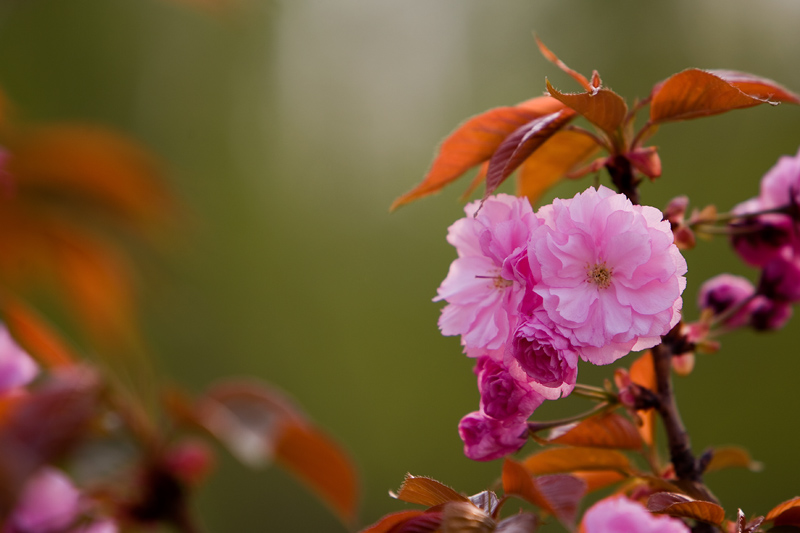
x,y
643,373
519,523
757,86
567,460
463,517
428,522
681,506
474,142
600,479
786,514
696,93
521,144
558,495
732,457
609,430
386,523
37,337
555,158
256,422
602,107
580,78
427,491
322,465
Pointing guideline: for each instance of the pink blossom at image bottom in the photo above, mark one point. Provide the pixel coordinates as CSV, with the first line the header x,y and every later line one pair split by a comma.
x,y
608,272
482,288
621,515
17,369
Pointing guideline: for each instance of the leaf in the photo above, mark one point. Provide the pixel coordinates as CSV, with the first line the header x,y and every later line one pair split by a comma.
x,y
598,479
786,513
609,430
428,522
37,337
558,495
566,460
521,144
427,491
486,500
732,457
386,523
580,78
463,517
757,86
519,523
555,158
696,93
681,506
322,465
602,107
643,374
257,422
474,142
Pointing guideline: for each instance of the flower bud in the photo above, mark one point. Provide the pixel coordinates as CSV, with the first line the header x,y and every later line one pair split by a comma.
x,y
723,293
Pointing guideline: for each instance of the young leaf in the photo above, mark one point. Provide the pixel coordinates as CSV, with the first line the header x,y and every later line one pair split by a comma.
x,y
463,517
388,522
560,154
518,523
474,142
681,506
599,479
602,107
486,500
33,333
427,491
646,161
521,144
757,86
580,78
732,457
643,374
567,460
322,465
558,495
608,430
786,514
696,93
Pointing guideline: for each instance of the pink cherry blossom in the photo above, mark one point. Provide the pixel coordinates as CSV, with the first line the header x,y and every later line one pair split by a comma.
x,y
48,503
486,438
768,315
608,272
780,186
619,514
780,280
546,356
482,288
505,396
17,369
760,239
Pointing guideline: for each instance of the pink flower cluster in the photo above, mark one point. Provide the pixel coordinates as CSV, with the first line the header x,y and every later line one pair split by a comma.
x,y
771,242
593,277
618,514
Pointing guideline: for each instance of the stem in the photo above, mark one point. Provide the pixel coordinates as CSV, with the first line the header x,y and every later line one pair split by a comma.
x,y
594,393
534,427
622,175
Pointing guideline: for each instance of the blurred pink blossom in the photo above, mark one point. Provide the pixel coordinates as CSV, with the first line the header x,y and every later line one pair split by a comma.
x,y
17,369
725,292
619,514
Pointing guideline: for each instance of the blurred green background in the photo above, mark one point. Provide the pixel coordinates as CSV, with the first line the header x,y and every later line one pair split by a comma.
x,y
291,125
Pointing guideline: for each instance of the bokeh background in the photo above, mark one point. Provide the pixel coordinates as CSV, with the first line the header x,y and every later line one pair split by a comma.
x,y
289,126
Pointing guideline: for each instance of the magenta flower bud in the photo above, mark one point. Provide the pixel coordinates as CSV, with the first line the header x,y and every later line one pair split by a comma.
x,y
617,514
780,280
546,356
503,396
724,292
486,438
761,239
49,502
769,315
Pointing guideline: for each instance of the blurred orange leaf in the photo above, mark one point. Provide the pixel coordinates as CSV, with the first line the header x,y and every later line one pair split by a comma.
x,y
580,78
388,522
609,430
566,460
696,93
521,144
732,457
786,514
598,479
427,491
556,157
602,107
757,86
643,373
474,142
463,517
256,422
681,506
33,333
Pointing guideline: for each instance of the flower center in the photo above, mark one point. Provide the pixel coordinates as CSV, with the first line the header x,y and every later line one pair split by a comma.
x,y
599,274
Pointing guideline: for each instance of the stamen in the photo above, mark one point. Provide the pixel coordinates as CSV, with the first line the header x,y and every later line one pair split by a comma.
x,y
599,274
